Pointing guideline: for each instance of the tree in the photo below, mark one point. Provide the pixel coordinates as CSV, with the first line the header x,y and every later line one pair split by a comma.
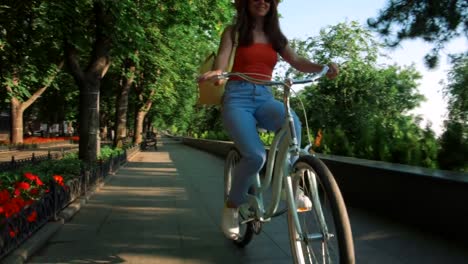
x,y
169,42
364,112
436,21
454,140
30,57
88,79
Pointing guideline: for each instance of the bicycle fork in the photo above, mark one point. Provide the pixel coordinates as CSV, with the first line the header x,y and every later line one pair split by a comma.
x,y
316,205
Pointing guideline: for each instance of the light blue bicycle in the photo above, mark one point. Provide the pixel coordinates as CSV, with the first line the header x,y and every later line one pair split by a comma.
x,y
320,234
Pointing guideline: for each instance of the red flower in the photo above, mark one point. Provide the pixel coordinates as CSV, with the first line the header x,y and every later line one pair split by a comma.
x,y
13,232
30,176
34,192
58,179
14,206
32,217
10,209
39,182
22,186
4,196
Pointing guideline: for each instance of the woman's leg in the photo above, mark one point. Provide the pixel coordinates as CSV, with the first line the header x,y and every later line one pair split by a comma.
x,y
270,115
241,126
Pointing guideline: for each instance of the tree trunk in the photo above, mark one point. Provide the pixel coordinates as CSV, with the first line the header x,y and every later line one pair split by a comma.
x,y
89,82
122,104
141,117
16,122
17,107
89,120
139,127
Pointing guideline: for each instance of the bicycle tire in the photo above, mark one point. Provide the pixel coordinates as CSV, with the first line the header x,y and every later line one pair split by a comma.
x,y
246,229
340,247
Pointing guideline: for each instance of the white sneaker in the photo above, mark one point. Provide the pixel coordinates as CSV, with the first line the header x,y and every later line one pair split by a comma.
x,y
303,203
230,222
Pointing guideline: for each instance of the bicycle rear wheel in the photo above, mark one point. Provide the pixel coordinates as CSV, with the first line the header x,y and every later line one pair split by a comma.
x,y
327,236
246,229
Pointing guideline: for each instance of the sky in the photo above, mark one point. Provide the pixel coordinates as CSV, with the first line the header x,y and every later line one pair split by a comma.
x,y
305,18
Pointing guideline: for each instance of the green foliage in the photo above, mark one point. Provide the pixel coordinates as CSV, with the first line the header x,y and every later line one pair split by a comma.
x,y
454,140
30,54
267,138
108,152
214,135
433,21
68,167
363,112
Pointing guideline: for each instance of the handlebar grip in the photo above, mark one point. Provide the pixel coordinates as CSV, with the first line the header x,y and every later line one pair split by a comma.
x,y
324,70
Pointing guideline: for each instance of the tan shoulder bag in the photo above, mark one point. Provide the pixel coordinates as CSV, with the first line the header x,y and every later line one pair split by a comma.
x,y
209,93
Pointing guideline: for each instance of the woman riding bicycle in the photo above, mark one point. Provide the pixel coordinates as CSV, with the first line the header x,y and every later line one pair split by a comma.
x,y
245,104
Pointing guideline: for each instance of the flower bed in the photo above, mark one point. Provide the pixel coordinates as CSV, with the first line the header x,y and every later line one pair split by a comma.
x,y
35,142
36,193
29,197
43,140
25,205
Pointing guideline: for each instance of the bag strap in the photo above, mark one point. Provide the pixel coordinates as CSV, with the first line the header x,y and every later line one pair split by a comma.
x,y
236,38
233,51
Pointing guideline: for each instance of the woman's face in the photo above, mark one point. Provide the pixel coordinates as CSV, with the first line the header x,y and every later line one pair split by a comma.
x,y
259,8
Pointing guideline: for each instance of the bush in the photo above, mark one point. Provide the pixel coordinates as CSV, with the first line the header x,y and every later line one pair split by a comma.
x,y
107,152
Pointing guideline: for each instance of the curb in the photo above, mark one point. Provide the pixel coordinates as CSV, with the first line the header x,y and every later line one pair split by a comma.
x,y
34,243
39,239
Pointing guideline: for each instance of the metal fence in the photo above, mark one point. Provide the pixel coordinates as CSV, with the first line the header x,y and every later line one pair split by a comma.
x,y
18,228
14,164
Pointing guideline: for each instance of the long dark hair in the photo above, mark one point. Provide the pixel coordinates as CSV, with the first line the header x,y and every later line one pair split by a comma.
x,y
244,24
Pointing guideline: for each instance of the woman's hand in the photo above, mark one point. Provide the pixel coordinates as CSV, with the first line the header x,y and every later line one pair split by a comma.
x,y
211,76
333,71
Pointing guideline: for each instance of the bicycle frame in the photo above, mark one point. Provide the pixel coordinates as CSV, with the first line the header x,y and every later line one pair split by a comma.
x,y
284,145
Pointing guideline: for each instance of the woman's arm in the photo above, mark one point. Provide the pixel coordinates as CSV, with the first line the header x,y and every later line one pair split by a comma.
x,y
304,65
224,50
222,59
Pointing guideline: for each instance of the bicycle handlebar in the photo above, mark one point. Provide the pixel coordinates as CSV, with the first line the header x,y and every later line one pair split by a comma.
x,y
286,83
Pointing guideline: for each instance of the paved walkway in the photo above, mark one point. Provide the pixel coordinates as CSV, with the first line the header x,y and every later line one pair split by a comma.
x,y
164,207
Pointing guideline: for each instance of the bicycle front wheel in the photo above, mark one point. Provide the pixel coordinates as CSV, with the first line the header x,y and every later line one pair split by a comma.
x,y
246,228
326,231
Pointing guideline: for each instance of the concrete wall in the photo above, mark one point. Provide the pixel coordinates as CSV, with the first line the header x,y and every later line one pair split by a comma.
x,y
433,200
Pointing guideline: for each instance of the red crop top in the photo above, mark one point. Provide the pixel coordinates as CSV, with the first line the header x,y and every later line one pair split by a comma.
x,y
258,58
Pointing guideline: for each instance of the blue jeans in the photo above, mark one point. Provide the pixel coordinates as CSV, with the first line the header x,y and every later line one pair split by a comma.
x,y
246,105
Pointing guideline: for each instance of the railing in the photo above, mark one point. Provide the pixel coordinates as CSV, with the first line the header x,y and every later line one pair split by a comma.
x,y
431,200
18,163
18,228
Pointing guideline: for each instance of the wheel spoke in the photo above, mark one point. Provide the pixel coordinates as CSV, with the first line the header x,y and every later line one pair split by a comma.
x,y
319,243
